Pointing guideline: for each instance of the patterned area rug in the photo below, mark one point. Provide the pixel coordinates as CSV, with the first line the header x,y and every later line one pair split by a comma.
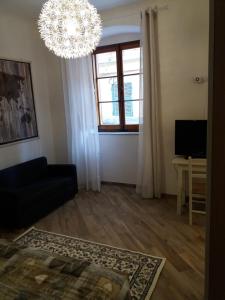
x,y
143,270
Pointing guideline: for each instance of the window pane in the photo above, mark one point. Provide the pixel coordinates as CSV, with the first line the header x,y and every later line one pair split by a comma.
x,y
109,113
132,87
108,89
132,112
131,61
106,64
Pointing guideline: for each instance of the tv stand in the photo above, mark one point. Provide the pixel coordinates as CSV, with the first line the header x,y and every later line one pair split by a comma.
x,y
181,166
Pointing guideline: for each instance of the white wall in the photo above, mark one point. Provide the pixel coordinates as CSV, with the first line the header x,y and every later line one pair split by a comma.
x,y
183,44
119,157
120,38
119,151
183,41
57,107
20,40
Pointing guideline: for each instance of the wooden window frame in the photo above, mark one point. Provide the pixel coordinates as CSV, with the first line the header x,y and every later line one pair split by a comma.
x,y
118,48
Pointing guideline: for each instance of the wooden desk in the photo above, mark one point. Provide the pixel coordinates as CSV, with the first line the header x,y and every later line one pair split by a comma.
x,y
181,166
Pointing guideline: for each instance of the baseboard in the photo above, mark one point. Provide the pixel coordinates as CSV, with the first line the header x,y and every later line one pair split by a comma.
x,y
170,196
164,195
118,183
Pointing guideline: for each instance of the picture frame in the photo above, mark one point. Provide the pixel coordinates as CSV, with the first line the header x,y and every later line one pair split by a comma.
x,y
18,121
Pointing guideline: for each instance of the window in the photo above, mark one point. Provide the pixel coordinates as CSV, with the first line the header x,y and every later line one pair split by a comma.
x,y
117,79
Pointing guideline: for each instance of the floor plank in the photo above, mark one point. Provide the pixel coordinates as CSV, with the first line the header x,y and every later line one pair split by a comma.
x,y
119,217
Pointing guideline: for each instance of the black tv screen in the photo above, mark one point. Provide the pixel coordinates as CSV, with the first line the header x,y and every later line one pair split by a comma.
x,y
191,138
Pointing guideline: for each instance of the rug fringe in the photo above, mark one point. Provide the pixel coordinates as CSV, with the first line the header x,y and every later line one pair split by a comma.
x,y
21,235
156,278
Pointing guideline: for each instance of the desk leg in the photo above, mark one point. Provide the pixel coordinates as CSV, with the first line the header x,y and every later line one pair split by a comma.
x,y
180,192
184,180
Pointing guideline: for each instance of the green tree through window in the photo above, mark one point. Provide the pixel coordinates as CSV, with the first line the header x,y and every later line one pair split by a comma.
x,y
127,96
115,106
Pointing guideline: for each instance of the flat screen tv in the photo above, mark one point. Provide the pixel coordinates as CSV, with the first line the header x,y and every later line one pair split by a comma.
x,y
191,138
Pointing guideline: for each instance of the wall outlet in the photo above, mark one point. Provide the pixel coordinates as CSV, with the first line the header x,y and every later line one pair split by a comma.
x,y
199,79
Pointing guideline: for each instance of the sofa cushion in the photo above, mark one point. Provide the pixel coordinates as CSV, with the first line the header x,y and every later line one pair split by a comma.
x,y
24,174
45,189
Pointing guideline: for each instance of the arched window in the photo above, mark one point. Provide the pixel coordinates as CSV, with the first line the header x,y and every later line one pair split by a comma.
x,y
117,81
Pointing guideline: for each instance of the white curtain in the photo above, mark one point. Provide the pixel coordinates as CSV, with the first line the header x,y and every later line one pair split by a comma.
x,y
149,156
81,115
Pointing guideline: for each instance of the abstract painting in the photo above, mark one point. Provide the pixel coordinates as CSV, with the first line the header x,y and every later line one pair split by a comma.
x,y
17,109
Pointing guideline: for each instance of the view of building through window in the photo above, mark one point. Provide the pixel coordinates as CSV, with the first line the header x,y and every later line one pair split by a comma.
x,y
118,86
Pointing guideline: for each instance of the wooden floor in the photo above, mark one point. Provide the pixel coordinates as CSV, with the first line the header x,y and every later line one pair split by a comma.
x,y
118,217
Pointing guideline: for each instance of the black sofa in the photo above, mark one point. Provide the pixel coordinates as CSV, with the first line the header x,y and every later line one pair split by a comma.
x,y
31,190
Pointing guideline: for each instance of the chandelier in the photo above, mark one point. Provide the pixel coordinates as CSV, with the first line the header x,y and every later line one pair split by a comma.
x,y
70,28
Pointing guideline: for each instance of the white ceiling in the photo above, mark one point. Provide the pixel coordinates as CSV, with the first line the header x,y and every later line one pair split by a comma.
x,y
32,7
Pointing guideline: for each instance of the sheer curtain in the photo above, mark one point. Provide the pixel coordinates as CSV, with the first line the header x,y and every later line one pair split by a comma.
x,y
149,153
81,115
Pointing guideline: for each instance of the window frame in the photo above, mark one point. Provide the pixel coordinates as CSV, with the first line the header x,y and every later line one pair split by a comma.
x,y
118,48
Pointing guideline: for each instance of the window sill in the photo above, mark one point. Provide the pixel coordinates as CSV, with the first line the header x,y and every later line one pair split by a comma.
x,y
118,133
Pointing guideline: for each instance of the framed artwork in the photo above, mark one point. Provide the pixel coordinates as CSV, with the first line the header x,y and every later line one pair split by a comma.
x,y
17,108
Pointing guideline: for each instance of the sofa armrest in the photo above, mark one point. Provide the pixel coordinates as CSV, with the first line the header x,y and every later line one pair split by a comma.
x,y
62,170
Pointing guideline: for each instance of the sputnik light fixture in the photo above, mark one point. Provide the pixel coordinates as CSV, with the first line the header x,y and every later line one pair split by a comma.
x,y
70,28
